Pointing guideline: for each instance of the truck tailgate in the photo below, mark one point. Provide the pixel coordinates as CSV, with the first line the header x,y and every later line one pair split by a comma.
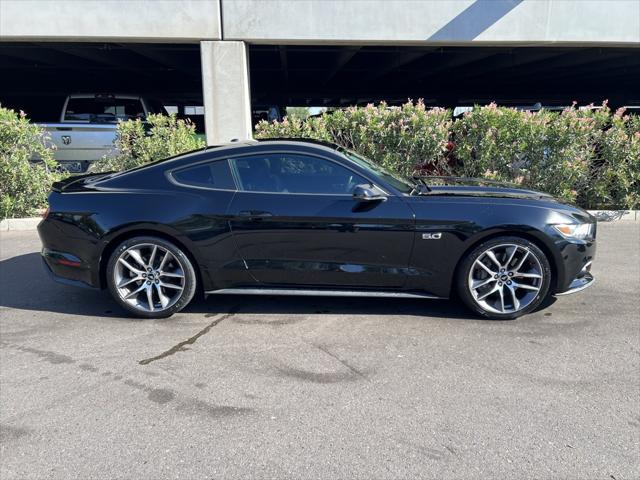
x,y
78,142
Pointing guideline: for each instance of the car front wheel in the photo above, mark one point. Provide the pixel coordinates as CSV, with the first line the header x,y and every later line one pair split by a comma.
x,y
504,278
150,277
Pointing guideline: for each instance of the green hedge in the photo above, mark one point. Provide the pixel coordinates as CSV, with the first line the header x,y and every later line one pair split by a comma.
x,y
24,185
590,157
137,142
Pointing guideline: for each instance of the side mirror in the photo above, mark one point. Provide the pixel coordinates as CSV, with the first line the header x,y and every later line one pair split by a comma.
x,y
368,193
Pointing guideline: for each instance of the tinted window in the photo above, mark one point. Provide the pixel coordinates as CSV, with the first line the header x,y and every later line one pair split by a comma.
x,y
212,175
396,180
284,173
105,110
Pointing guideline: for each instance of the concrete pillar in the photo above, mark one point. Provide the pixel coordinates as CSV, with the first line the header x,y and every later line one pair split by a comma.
x,y
225,85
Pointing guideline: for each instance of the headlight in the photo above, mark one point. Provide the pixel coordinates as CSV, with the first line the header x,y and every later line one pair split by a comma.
x,y
578,231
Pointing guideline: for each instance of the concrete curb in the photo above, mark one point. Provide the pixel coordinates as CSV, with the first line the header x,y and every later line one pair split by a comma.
x,y
19,224
616,215
22,224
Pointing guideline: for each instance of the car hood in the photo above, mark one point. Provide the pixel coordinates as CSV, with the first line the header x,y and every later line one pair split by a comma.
x,y
508,192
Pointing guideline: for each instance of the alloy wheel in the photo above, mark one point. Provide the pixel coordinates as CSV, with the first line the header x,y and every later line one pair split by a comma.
x,y
505,278
149,277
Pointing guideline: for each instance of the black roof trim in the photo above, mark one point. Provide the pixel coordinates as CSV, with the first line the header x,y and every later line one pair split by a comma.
x,y
323,143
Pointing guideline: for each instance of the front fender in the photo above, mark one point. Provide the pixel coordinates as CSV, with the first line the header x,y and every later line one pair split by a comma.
x,y
465,223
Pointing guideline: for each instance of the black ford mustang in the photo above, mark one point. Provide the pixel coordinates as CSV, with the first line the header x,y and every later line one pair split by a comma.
x,y
304,218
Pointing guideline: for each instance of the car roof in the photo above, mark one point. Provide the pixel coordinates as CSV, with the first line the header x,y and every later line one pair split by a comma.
x,y
247,147
307,141
186,158
263,144
271,141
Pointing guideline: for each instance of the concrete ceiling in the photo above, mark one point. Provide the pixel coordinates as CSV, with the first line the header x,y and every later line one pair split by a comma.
x,y
37,76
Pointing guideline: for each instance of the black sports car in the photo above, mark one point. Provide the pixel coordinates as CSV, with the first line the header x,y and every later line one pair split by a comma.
x,y
307,218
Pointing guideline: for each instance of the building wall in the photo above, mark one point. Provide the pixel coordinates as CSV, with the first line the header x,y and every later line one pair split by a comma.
x,y
326,21
449,21
110,20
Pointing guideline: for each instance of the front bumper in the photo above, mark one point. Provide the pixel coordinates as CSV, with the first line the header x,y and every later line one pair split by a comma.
x,y
583,280
574,264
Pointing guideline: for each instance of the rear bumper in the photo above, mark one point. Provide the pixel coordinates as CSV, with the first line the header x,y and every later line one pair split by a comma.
x,y
66,268
69,258
63,280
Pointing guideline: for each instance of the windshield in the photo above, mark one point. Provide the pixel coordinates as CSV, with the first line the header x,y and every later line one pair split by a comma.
x,y
396,180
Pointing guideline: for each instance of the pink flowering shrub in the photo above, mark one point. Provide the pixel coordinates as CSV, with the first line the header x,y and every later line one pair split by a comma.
x,y
590,157
614,173
403,138
24,185
542,150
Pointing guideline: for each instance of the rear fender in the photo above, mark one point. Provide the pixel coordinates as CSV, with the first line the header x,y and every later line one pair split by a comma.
x,y
114,238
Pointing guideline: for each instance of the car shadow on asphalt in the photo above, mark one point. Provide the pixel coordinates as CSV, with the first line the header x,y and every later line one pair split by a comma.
x,y
25,285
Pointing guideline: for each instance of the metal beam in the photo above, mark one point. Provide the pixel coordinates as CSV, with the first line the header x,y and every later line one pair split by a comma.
x,y
570,59
398,61
511,60
284,64
166,60
342,59
101,56
458,60
40,54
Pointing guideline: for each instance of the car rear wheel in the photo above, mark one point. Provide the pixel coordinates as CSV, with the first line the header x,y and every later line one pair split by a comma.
x,y
504,278
150,277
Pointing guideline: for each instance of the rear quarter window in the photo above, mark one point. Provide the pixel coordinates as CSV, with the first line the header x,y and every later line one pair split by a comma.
x,y
209,175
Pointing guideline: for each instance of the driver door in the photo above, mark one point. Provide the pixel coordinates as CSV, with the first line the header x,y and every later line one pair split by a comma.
x,y
296,223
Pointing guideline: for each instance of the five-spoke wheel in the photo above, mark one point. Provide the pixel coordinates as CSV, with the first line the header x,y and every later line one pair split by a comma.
x,y
150,277
504,278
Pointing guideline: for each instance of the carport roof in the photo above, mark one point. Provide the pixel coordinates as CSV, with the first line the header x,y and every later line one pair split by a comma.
x,y
334,75
331,75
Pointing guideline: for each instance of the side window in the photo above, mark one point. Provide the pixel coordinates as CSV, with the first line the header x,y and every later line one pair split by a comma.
x,y
291,173
212,175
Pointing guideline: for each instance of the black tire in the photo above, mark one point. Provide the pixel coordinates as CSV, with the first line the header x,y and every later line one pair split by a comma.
x,y
534,299
179,261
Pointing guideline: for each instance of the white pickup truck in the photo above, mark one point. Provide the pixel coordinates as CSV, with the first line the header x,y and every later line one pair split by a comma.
x,y
87,127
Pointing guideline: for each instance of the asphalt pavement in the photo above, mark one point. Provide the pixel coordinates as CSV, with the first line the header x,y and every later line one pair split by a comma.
x,y
284,387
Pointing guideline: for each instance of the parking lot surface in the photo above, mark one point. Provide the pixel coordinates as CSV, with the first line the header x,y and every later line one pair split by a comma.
x,y
319,387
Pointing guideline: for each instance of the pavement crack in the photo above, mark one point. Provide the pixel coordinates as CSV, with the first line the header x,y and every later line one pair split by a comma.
x,y
189,341
343,362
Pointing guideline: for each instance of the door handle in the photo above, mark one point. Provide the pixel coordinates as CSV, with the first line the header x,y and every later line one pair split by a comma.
x,y
255,214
